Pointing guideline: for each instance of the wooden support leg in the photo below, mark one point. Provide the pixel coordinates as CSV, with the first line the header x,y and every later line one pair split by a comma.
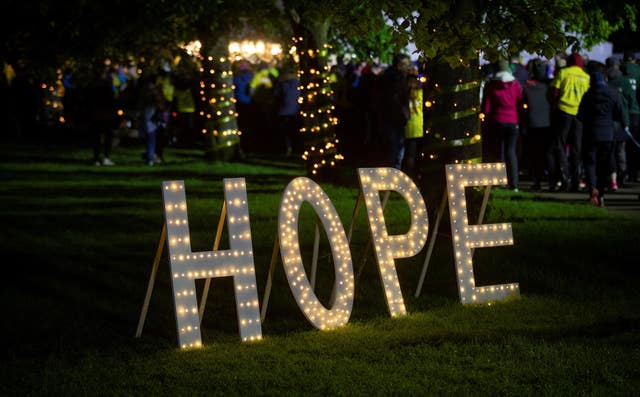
x,y
152,279
368,246
356,209
314,259
483,207
434,235
267,288
216,244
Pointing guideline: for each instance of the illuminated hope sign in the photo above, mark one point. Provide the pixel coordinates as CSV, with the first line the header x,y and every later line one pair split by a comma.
x,y
237,261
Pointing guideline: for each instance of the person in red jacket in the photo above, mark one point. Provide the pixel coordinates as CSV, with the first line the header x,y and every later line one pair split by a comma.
x,y
501,106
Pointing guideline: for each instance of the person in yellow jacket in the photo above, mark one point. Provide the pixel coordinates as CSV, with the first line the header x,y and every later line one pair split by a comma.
x,y
413,130
567,89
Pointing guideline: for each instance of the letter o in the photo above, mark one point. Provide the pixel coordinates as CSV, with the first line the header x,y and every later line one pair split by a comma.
x,y
298,191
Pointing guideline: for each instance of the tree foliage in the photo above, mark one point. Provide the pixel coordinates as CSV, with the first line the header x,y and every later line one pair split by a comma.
x,y
42,33
451,31
365,34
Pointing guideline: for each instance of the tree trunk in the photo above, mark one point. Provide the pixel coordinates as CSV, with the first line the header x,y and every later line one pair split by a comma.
x,y
452,124
319,137
218,109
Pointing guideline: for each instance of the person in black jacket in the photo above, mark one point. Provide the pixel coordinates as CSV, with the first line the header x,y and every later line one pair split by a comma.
x,y
101,104
599,108
394,111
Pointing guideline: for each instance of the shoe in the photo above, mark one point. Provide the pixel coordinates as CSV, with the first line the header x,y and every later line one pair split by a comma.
x,y
601,202
593,199
614,186
107,161
97,163
582,185
515,190
563,186
150,163
157,159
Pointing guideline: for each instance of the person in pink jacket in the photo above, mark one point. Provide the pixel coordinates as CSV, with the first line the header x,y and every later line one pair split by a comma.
x,y
501,106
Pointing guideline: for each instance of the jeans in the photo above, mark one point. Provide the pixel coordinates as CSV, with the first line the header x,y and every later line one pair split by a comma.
x,y
148,131
393,144
150,140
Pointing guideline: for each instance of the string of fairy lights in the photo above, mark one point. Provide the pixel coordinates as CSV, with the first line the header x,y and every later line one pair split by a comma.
x,y
389,247
452,116
218,111
298,191
187,266
467,237
443,107
316,108
53,94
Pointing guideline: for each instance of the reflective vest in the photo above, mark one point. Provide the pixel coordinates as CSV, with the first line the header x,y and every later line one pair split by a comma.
x,y
414,127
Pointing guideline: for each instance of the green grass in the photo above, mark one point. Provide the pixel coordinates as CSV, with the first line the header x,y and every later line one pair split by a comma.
x,y
79,242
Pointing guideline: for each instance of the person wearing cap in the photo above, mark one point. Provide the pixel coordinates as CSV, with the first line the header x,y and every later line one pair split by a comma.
x,y
501,105
600,107
567,89
631,69
620,83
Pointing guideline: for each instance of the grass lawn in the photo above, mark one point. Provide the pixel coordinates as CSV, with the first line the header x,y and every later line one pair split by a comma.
x,y
79,242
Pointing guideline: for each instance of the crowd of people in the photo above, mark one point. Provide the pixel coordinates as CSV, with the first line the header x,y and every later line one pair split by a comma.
x,y
566,124
160,104
163,105
379,110
569,126
268,108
